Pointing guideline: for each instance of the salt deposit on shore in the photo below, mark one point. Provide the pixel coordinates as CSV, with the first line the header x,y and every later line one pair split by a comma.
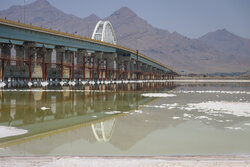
x,y
224,107
194,161
158,95
6,131
215,91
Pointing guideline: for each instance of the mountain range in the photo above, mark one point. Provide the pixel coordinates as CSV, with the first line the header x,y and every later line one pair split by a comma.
x,y
219,51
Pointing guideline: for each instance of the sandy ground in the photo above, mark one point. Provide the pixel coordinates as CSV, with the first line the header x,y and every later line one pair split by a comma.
x,y
210,161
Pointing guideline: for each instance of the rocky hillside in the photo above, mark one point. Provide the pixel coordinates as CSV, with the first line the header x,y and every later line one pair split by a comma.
x,y
229,43
191,55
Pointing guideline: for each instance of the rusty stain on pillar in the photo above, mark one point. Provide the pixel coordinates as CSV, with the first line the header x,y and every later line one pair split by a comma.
x,y
106,69
62,66
2,69
73,66
83,66
93,68
43,63
29,56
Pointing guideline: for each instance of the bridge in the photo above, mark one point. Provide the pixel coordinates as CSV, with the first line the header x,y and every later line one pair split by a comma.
x,y
31,55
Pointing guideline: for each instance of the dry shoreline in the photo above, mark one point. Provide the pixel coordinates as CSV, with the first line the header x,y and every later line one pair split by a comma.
x,y
161,161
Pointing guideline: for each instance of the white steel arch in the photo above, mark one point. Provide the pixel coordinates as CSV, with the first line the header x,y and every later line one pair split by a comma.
x,y
103,131
104,32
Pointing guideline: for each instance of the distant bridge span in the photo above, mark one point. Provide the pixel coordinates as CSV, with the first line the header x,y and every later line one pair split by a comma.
x,y
34,52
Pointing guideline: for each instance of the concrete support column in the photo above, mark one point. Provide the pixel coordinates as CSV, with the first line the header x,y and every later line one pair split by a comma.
x,y
88,66
73,65
60,58
13,56
19,55
132,69
111,64
38,62
5,55
150,72
144,71
48,61
138,70
98,63
80,62
30,52
130,65
154,73
119,68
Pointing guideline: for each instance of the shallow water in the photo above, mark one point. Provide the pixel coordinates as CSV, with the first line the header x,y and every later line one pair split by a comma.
x,y
132,119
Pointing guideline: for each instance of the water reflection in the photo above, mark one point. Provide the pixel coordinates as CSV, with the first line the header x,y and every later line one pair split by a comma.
x,y
40,111
118,120
103,131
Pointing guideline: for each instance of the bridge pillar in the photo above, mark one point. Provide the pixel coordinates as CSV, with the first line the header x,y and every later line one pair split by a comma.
x,y
61,71
98,56
111,65
19,55
38,62
154,73
130,69
30,53
144,71
124,66
5,58
138,70
80,62
48,61
149,72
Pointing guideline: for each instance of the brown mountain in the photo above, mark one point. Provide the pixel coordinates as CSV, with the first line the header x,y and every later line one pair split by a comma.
x,y
173,49
41,12
229,43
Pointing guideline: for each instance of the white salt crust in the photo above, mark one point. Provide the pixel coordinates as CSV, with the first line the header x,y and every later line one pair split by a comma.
x,y
6,131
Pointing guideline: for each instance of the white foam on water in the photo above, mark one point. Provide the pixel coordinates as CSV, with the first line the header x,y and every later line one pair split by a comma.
x,y
168,106
215,91
176,117
157,95
203,117
6,131
44,108
138,111
223,107
171,105
233,128
247,124
94,116
155,106
113,112
187,115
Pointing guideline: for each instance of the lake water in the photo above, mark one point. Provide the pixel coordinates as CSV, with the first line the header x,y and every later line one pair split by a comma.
x,y
132,120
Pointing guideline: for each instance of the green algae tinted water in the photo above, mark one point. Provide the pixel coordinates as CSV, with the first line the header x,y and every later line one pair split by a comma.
x,y
131,120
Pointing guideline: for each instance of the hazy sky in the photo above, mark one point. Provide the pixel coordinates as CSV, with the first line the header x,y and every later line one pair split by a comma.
x,y
192,18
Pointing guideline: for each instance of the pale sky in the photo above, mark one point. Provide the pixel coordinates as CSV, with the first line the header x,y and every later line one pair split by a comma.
x,y
192,18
